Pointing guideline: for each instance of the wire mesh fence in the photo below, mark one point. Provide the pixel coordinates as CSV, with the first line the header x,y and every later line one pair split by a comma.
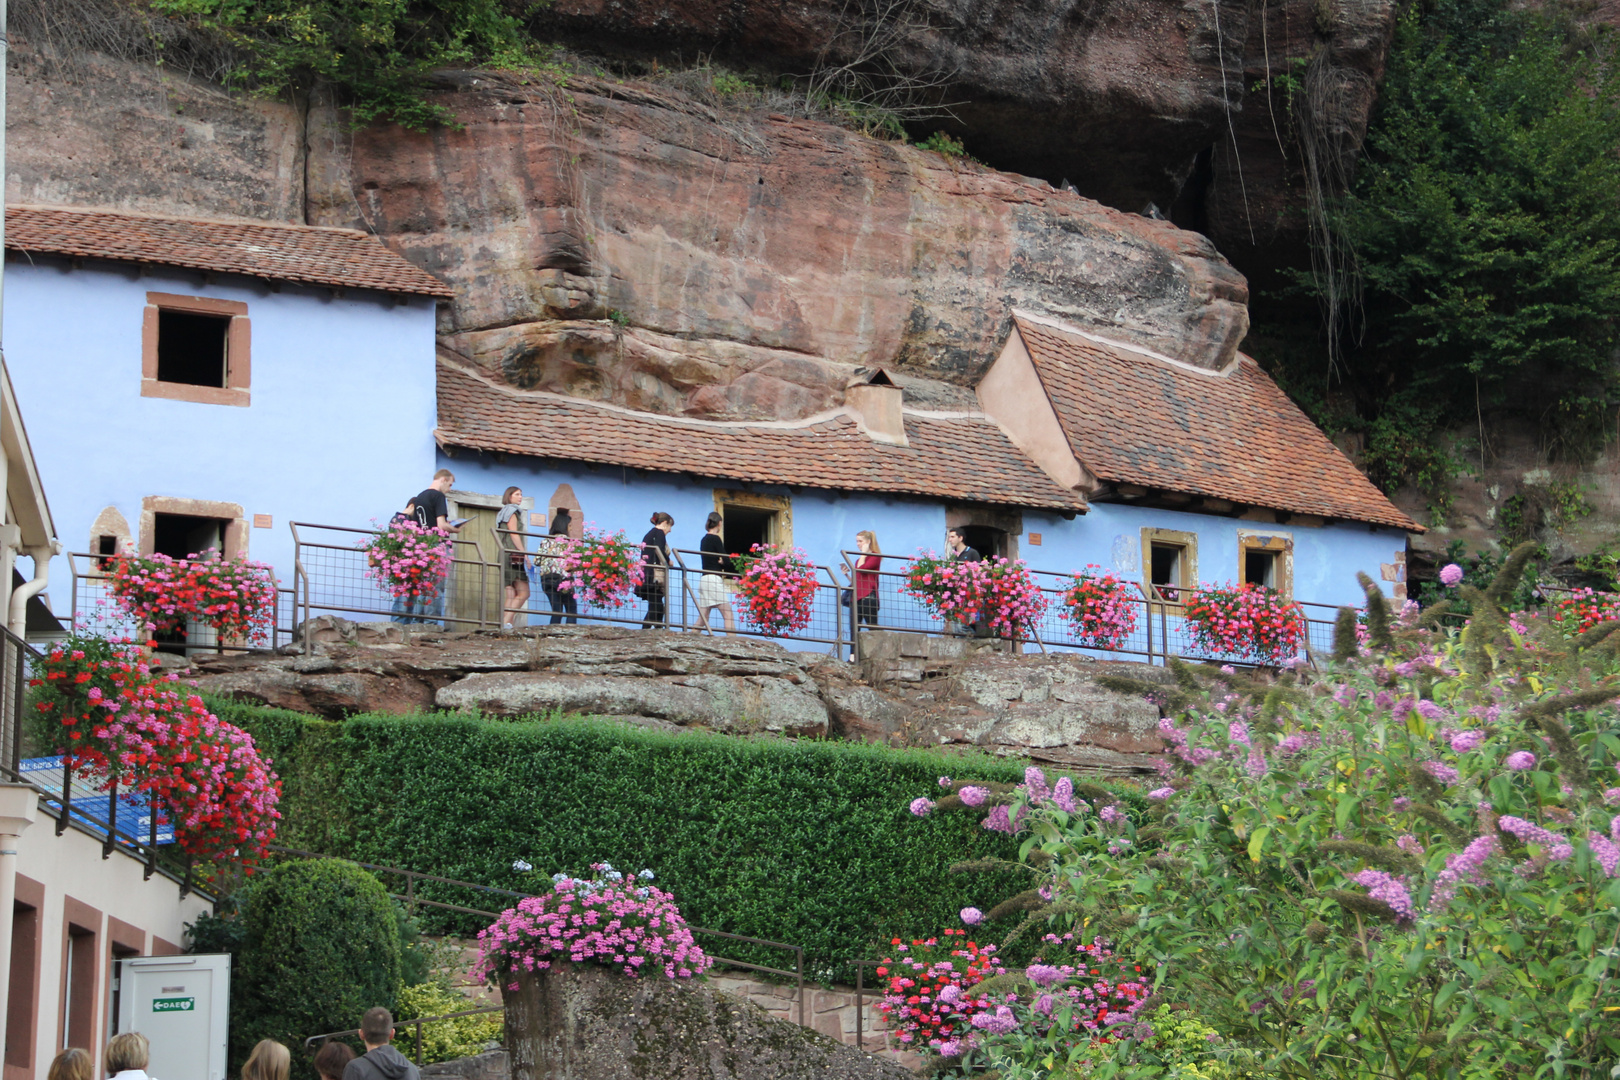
x,y
98,610
1157,627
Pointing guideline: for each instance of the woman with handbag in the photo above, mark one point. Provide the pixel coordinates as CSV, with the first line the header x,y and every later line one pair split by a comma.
x,y
560,600
514,556
655,570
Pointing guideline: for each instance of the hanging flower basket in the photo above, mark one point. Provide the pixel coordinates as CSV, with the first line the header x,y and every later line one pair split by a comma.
x,y
600,569
410,562
999,592
778,589
1244,622
237,597
1101,608
1583,609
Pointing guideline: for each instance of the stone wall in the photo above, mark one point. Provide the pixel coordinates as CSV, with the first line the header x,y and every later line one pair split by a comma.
x,y
1048,709
581,1022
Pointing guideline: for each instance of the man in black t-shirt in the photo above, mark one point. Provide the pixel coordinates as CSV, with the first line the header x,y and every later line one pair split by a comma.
x,y
432,511
960,552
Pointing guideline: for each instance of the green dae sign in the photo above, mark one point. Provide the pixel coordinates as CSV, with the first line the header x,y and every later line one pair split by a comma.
x,y
174,1004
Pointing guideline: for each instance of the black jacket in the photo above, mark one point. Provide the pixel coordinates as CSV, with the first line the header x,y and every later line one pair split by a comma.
x,y
383,1063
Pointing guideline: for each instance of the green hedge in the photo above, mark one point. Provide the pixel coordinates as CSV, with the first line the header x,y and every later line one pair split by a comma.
x,y
805,841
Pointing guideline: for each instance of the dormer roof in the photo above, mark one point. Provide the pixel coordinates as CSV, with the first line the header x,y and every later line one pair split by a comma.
x,y
304,254
1135,418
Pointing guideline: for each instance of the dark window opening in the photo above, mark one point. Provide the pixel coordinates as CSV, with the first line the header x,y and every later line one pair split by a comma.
x,y
1165,570
180,536
989,542
80,992
119,952
1260,567
191,348
20,1002
105,545
746,526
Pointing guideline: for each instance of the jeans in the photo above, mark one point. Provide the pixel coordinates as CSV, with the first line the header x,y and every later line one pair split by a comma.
x,y
657,613
559,600
411,609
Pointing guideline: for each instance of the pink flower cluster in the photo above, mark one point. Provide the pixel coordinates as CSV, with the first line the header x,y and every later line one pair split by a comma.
x,y
1583,609
623,921
1101,608
1391,890
778,588
410,562
1001,592
600,569
1244,622
237,597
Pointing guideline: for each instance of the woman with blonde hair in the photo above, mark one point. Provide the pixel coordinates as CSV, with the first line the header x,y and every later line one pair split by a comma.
x,y
72,1064
127,1055
269,1061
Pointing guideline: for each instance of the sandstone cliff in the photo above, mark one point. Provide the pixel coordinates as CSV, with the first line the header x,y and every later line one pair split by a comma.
x,y
751,261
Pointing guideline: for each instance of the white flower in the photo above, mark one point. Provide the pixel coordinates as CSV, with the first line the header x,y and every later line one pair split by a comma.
x,y
520,865
645,875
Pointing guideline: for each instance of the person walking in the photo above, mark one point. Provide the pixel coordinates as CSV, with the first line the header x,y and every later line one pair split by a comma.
x,y
431,510
712,585
655,573
866,578
558,598
127,1056
269,1061
380,1061
332,1058
514,558
956,541
72,1064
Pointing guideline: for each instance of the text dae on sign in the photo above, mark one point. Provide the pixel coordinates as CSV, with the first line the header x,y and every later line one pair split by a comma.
x,y
174,1004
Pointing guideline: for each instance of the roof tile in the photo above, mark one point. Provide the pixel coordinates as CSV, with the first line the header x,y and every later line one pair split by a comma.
x,y
313,255
1136,419
965,458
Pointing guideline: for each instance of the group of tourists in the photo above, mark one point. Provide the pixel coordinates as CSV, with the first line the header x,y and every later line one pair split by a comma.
x,y
431,510
129,1053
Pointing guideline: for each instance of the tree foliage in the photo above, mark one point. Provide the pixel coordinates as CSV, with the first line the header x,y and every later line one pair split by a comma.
x,y
376,51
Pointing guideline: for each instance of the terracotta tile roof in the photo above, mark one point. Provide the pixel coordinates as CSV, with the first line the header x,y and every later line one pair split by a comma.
x,y
1135,419
966,458
339,258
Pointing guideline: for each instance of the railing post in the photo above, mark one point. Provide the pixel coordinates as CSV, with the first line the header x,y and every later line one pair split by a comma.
x,y
67,792
151,838
14,729
799,968
860,1006
112,821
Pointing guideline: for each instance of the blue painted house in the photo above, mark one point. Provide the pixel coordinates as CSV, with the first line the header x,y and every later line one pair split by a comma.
x,y
194,384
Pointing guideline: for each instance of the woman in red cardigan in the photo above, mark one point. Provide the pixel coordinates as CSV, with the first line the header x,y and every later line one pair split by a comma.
x,y
866,582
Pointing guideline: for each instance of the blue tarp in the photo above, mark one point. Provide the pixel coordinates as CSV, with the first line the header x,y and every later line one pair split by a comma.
x,y
91,807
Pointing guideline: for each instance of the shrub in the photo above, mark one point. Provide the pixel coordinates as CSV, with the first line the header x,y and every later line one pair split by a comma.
x,y
319,946
796,841
447,1039
1403,866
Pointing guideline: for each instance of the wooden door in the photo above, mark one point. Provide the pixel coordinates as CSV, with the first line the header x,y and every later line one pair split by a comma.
x,y
475,580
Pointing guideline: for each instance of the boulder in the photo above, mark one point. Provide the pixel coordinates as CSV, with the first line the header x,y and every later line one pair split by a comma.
x,y
585,1022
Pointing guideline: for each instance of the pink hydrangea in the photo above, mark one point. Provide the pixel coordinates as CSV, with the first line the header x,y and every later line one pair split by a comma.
x,y
972,916
1520,760
1451,575
973,796
921,806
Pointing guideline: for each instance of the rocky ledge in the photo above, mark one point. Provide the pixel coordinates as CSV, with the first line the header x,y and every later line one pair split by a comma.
x,y
912,691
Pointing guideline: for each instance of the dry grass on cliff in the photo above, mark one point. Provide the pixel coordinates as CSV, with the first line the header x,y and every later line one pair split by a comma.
x,y
123,30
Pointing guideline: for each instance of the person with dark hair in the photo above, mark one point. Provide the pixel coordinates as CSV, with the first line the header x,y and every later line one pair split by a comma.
x,y
431,510
332,1058
380,1061
558,598
956,541
514,557
655,571
712,585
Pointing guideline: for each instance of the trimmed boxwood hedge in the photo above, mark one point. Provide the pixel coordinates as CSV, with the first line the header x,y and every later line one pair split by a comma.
x,y
801,841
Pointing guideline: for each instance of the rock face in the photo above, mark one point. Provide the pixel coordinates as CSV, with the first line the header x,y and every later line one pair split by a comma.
x,y
752,260
583,1022
1048,709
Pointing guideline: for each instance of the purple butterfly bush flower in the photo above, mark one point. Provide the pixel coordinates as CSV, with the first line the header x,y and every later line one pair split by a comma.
x,y
972,916
1464,741
1442,772
1390,889
1606,853
974,796
1001,1023
1531,833
1063,795
1161,793
1043,975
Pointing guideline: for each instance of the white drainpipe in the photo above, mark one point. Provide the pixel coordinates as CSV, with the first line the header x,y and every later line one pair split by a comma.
x,y
17,617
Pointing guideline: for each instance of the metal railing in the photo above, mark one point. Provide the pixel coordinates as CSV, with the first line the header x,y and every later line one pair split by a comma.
x,y
122,820
419,1023
96,610
1160,629
412,899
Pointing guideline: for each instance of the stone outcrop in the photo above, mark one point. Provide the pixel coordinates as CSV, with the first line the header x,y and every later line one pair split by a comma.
x,y
583,1022
752,260
1048,709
